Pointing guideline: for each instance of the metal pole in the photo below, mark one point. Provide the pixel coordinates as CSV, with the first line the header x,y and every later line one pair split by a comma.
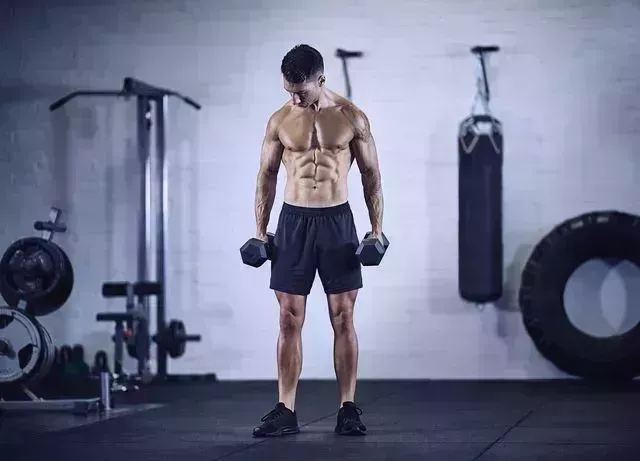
x,y
161,226
118,358
346,77
144,225
105,391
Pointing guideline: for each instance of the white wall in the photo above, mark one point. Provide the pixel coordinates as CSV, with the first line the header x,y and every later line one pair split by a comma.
x,y
565,86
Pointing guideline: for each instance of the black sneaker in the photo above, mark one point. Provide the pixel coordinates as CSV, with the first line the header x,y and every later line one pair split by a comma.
x,y
349,420
278,422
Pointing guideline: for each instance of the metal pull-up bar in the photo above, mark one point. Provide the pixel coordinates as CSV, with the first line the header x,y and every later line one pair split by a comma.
x,y
130,88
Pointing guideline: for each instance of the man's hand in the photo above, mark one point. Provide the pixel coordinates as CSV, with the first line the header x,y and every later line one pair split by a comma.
x,y
377,235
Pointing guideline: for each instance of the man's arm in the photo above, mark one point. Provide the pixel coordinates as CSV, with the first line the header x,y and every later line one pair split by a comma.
x,y
270,158
363,148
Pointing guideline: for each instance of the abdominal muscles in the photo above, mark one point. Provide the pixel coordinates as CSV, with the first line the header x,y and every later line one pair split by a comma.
x,y
317,177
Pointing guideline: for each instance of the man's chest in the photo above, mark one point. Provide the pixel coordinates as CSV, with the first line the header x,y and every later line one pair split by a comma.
x,y
326,129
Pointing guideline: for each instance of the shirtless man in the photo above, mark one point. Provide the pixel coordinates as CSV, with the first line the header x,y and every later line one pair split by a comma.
x,y
317,135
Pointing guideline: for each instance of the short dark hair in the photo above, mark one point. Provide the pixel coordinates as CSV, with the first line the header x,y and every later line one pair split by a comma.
x,y
301,63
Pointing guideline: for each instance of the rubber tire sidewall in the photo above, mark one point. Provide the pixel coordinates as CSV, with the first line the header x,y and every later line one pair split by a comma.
x,y
545,318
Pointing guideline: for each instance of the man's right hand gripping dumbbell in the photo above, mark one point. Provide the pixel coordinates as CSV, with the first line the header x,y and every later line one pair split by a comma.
x,y
256,251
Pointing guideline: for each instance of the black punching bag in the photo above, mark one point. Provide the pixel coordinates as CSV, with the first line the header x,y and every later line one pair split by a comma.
x,y
480,158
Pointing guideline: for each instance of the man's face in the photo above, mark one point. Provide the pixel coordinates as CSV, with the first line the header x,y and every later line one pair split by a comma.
x,y
306,93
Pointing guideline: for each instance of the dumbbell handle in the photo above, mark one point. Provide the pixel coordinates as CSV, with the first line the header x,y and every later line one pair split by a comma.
x,y
385,240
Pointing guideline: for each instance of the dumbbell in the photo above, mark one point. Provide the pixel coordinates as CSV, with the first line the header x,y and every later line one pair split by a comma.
x,y
256,252
371,250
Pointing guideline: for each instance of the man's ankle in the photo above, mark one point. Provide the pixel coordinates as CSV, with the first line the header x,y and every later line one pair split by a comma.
x,y
343,401
289,405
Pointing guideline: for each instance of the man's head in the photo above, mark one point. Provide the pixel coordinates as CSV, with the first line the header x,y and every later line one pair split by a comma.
x,y
303,73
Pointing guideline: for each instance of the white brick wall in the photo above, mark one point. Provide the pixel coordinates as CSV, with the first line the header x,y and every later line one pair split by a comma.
x,y
565,86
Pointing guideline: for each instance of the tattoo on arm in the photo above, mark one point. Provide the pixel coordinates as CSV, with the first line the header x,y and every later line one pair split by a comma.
x,y
364,149
372,186
270,158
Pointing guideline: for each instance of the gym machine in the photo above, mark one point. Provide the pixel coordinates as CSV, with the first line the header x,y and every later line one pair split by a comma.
x,y
36,279
132,332
151,100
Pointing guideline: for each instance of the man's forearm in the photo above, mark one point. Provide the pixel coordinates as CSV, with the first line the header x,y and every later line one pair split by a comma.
x,y
265,196
372,185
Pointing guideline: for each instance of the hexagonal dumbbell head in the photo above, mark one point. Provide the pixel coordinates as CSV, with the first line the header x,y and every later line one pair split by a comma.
x,y
255,252
371,250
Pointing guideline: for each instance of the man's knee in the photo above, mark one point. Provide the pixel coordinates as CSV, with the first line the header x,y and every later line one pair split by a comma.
x,y
341,307
291,313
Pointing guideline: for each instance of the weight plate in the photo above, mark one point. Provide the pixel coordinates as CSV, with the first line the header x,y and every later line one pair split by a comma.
x,y
36,271
49,356
176,344
23,346
61,295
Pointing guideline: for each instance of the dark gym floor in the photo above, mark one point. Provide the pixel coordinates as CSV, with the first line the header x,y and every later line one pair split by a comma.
x,y
432,420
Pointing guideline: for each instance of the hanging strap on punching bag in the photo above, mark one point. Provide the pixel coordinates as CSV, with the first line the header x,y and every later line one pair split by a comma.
x,y
480,157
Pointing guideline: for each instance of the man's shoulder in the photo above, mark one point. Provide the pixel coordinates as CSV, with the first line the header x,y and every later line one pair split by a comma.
x,y
276,118
356,116
351,110
281,113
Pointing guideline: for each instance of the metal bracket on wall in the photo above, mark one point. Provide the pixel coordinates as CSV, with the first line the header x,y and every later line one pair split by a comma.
x,y
344,55
483,94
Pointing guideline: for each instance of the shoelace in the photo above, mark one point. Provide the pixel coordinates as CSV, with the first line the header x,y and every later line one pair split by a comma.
x,y
273,414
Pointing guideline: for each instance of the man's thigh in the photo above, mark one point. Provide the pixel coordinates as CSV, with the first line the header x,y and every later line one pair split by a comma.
x,y
338,265
294,259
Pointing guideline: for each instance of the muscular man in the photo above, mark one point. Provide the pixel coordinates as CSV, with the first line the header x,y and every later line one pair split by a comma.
x,y
317,135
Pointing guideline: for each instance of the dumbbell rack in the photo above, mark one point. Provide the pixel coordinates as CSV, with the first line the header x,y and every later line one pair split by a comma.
x,y
35,403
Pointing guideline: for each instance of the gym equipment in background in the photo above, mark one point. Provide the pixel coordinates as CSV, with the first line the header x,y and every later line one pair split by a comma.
x,y
173,339
132,332
343,55
150,100
608,235
27,351
480,157
36,270
37,279
100,363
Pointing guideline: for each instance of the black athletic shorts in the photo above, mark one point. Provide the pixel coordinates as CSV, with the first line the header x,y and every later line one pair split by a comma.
x,y
310,239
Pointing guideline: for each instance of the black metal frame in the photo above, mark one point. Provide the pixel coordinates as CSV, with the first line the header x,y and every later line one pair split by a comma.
x,y
343,55
483,92
150,99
